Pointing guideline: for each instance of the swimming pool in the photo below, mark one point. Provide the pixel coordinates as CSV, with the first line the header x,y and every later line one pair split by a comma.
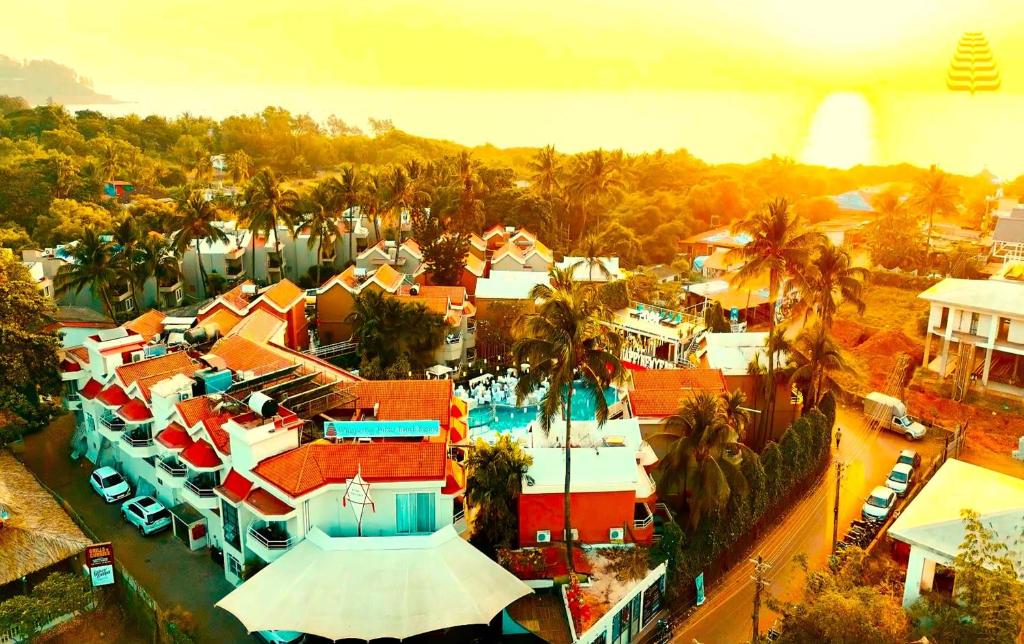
x,y
506,417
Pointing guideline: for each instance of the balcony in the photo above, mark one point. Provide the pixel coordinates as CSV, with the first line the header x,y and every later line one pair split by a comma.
x,y
171,472
269,540
138,442
452,347
110,427
199,493
469,339
171,294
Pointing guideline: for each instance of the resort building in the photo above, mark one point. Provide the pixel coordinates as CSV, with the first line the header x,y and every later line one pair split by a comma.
x,y
985,321
656,394
74,324
592,269
659,338
336,298
459,314
229,259
712,241
406,258
282,308
1008,234
930,530
509,249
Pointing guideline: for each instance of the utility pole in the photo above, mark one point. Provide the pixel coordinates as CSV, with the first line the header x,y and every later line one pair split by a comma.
x,y
840,466
759,569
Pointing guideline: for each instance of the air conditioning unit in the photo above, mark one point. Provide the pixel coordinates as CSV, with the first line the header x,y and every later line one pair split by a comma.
x,y
138,356
616,535
543,536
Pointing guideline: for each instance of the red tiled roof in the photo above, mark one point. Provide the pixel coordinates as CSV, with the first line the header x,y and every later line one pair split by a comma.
x,y
454,294
148,324
235,297
201,454
196,409
174,436
304,469
240,354
660,392
267,504
284,294
69,366
135,410
113,396
235,487
80,352
90,389
218,435
405,399
151,371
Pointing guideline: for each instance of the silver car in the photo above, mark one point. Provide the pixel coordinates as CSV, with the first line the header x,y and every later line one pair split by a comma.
x,y
147,514
900,478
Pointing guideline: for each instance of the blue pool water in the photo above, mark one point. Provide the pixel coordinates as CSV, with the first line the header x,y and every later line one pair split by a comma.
x,y
506,418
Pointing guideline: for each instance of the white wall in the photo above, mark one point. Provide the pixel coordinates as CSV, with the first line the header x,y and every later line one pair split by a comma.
x,y
326,512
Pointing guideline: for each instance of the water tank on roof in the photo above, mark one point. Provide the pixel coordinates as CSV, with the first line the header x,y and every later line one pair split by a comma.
x,y
262,404
197,335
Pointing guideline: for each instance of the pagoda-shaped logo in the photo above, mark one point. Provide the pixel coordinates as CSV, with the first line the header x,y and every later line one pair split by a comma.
x,y
973,69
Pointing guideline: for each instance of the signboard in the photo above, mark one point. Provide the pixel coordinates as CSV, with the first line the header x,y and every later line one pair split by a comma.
x,y
99,559
700,589
382,428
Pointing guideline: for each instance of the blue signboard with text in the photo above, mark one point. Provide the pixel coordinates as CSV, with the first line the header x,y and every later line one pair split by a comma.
x,y
382,428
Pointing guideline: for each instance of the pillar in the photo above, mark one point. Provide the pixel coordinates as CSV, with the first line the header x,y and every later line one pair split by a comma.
x,y
920,576
993,333
927,348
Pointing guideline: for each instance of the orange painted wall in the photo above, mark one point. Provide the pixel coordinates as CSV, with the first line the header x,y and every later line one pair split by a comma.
x,y
593,514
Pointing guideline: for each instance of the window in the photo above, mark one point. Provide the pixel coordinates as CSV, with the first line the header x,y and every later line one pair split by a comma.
x,y
229,515
234,567
414,513
975,318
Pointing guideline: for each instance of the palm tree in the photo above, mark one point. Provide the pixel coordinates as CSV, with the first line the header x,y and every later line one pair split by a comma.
x,y
374,200
493,483
823,355
323,220
565,341
404,194
126,241
111,158
196,217
780,247
200,163
831,281
92,265
268,204
594,178
349,188
546,170
389,329
591,249
702,458
469,213
241,166
934,193
735,411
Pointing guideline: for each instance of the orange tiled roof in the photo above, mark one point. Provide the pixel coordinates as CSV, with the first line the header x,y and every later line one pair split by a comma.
x,y
240,354
223,319
218,435
194,410
304,469
283,294
438,305
259,326
388,278
151,371
509,248
174,436
405,399
476,240
235,297
411,245
80,353
201,454
496,229
148,324
455,294
660,392
475,265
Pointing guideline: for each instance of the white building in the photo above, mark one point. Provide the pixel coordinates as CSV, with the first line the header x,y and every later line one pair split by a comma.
x,y
598,269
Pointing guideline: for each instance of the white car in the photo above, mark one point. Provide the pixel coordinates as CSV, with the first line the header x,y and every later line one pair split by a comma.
x,y
281,637
900,478
147,514
878,504
109,484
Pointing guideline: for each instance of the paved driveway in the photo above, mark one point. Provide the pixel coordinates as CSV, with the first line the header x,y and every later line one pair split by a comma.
x,y
169,572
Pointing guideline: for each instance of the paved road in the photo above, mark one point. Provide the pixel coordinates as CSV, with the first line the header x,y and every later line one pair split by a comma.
x,y
726,616
170,573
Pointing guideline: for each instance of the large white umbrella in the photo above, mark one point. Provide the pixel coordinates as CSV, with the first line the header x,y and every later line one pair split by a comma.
x,y
371,587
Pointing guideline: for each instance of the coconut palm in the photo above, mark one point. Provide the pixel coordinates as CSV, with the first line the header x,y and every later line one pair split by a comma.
x,y
822,356
493,483
565,341
374,200
195,223
404,194
594,178
92,266
591,249
832,281
389,329
110,158
703,456
735,411
780,248
268,204
126,242
241,166
349,188
546,169
468,215
322,221
935,194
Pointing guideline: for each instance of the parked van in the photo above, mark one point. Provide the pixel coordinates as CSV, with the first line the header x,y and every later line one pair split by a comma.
x,y
892,413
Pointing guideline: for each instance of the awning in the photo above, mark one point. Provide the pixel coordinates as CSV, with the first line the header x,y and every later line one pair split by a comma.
x,y
371,587
187,514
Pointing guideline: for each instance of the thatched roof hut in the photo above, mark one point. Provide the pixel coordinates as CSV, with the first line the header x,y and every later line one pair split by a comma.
x,y
37,533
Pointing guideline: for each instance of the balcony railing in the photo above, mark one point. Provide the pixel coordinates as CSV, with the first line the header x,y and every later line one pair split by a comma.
x,y
175,468
642,516
200,489
271,539
453,338
137,439
112,423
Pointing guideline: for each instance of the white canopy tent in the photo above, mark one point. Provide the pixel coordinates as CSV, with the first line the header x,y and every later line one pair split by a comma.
x,y
374,587
438,371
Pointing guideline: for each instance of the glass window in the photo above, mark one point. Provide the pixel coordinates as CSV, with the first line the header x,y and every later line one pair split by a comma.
x,y
229,515
414,512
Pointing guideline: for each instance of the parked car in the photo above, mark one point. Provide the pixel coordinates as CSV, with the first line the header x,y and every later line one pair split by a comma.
x,y
892,414
900,478
147,514
878,504
909,457
281,637
109,484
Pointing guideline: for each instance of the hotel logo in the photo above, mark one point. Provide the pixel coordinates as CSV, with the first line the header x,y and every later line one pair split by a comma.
x,y
973,69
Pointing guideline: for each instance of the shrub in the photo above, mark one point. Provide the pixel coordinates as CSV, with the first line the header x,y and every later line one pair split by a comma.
x,y
613,295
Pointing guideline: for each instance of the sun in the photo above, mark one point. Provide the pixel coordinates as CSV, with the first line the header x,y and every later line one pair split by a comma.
x,y
842,132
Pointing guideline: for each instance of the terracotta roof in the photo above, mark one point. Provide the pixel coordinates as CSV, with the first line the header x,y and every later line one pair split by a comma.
x,y
235,297
223,319
201,454
135,410
91,388
388,278
304,469
235,487
69,366
218,435
80,353
267,504
477,240
148,324
113,396
195,410
151,371
509,249
174,436
660,392
405,399
385,277
259,326
475,265
438,305
496,229
283,294
413,247
240,354
455,294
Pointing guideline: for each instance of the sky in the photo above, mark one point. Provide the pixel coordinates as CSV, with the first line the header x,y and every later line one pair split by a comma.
x,y
828,81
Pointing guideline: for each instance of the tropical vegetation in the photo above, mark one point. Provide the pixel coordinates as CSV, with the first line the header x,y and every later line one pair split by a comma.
x,y
494,475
